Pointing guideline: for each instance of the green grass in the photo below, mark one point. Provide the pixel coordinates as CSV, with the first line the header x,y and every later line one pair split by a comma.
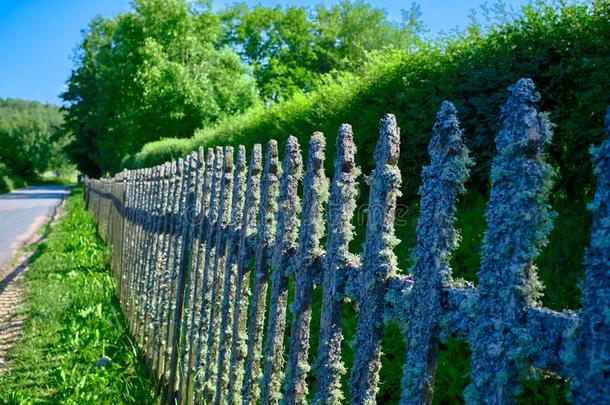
x,y
9,183
73,319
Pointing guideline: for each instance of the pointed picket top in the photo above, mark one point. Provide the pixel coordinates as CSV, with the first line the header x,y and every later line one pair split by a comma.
x,y
180,166
239,187
315,194
518,219
442,181
253,196
522,124
210,159
289,209
388,145
379,263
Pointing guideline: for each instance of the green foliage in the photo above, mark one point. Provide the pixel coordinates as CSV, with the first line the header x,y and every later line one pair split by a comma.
x,y
8,181
555,46
74,320
170,66
289,48
31,141
153,72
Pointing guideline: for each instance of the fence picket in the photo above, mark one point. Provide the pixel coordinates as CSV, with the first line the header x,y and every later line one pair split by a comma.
x,y
234,233
442,181
518,221
248,237
163,260
338,259
289,209
202,217
378,263
218,270
265,241
591,362
208,257
307,268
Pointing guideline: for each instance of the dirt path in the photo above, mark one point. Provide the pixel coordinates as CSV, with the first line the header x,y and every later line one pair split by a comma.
x,y
13,293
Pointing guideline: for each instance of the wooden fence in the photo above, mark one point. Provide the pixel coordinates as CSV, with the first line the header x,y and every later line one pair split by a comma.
x,y
198,243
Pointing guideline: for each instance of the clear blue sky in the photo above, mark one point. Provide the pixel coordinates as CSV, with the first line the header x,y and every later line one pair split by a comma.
x,y
37,37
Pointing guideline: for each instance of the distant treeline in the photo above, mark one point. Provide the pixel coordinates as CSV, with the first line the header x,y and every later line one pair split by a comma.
x,y
32,141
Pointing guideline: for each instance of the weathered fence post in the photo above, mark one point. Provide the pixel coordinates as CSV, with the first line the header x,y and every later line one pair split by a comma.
x,y
202,214
591,362
210,253
126,239
238,349
442,181
146,274
234,234
218,270
191,242
155,259
337,261
162,264
306,269
518,221
288,213
265,240
169,265
187,201
378,264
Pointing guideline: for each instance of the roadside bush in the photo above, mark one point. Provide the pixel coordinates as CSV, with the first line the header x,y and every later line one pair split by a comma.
x,y
31,141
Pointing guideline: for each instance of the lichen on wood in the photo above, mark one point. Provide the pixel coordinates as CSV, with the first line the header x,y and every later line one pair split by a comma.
x,y
519,219
306,270
442,181
378,263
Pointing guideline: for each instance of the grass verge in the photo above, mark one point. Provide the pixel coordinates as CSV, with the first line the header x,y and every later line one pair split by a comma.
x,y
74,320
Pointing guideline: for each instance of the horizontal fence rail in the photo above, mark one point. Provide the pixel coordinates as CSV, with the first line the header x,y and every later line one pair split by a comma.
x,y
205,249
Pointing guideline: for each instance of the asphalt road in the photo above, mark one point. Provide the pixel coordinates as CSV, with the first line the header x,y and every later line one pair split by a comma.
x,y
22,212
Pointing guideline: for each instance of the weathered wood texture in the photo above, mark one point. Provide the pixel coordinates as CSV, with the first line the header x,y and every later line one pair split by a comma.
x,y
207,250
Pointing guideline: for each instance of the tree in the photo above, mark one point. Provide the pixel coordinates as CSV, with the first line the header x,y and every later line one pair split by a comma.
x,y
289,48
151,73
31,139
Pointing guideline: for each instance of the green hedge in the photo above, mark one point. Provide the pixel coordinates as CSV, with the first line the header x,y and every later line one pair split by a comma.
x,y
563,50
